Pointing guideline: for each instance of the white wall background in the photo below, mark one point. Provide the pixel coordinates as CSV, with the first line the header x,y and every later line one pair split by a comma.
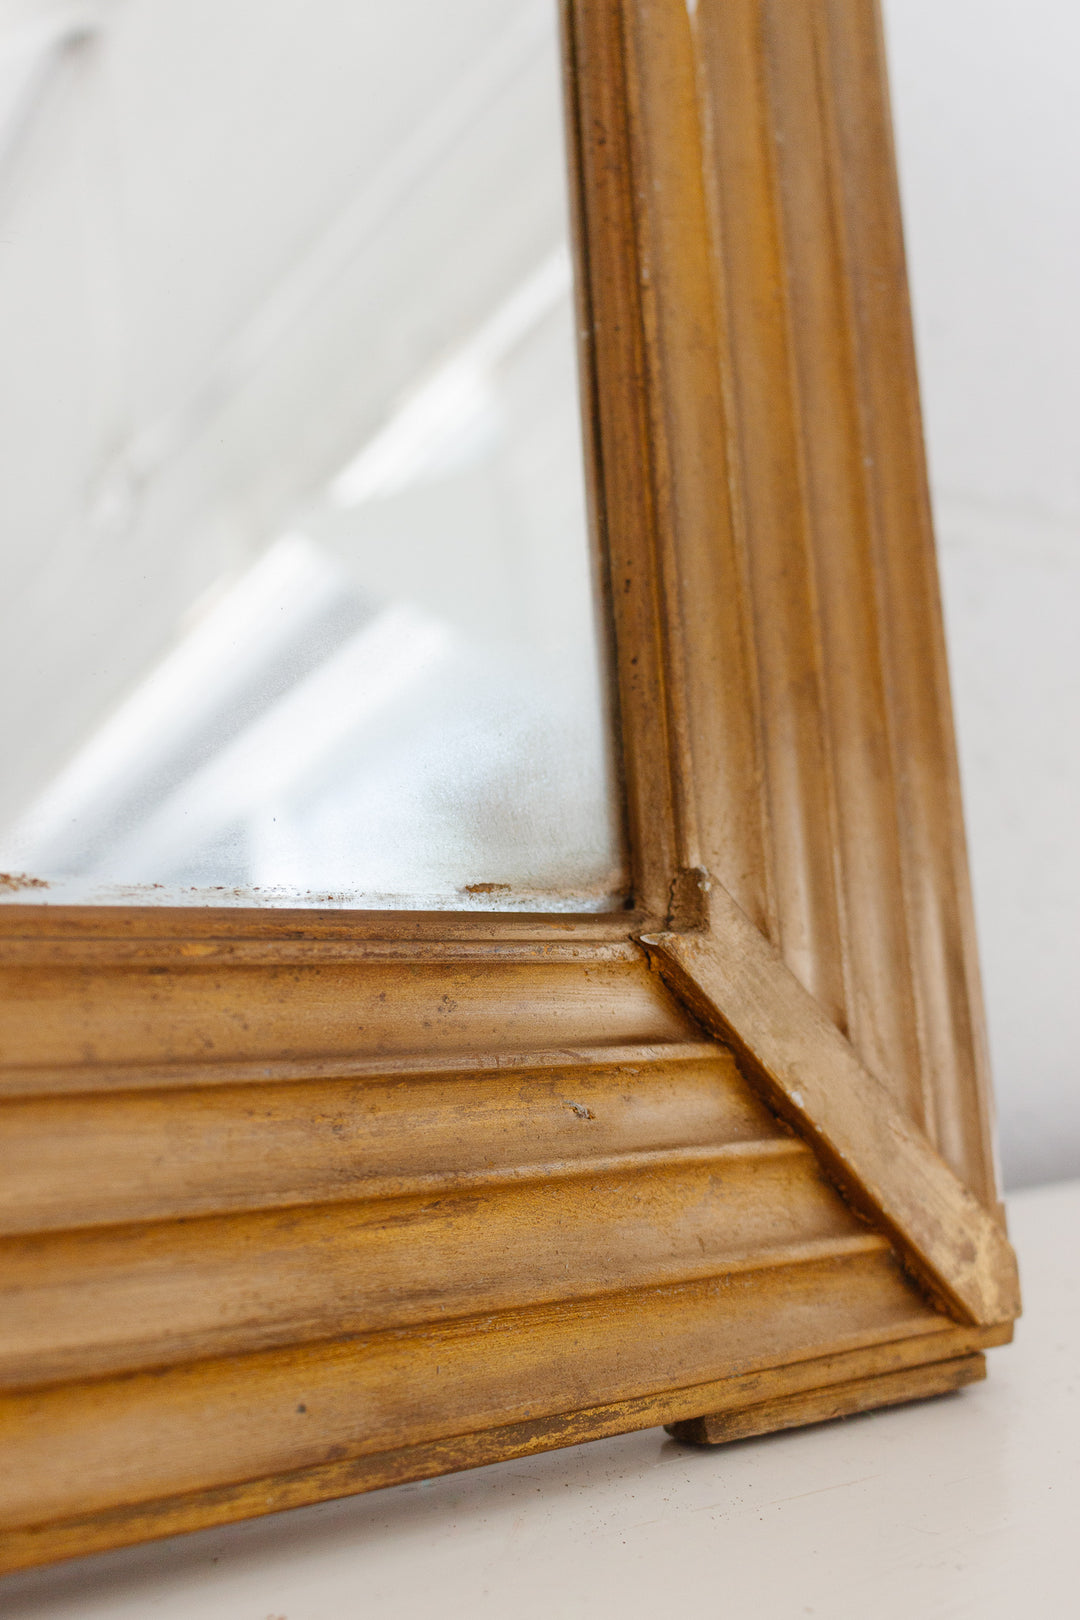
x,y
987,107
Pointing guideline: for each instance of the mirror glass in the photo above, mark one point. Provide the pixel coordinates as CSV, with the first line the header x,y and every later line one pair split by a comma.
x,y
298,602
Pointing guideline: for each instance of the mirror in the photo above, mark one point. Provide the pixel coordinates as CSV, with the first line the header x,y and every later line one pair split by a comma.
x,y
298,601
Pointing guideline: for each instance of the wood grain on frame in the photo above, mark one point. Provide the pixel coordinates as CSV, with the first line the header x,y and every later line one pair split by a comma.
x,y
778,326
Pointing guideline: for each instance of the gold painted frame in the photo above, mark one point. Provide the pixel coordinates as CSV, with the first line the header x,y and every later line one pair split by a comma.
x,y
304,1203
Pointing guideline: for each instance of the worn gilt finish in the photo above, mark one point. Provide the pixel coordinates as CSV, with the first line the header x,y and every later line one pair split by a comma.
x,y
305,1203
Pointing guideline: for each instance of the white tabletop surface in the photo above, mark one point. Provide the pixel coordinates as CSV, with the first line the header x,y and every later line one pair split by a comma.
x,y
967,1505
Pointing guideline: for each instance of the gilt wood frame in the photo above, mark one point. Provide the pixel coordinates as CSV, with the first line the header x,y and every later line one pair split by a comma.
x,y
303,1203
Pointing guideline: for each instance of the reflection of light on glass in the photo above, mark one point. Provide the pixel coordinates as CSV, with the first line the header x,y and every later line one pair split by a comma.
x,y
277,753
452,418
290,593
300,739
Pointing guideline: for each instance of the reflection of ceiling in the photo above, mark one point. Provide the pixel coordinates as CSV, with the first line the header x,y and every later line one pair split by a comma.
x,y
291,411
451,413
246,651
204,317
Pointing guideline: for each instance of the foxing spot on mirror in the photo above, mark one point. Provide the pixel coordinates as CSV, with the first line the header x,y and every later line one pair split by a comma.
x,y
298,599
